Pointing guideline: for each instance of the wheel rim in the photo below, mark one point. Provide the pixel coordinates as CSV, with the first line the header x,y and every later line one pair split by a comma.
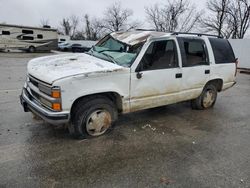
x,y
32,49
208,98
98,122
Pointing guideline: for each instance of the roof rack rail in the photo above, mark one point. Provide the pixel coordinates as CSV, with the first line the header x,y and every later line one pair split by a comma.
x,y
198,34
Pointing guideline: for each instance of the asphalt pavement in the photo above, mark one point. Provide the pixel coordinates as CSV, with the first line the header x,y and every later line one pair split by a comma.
x,y
171,146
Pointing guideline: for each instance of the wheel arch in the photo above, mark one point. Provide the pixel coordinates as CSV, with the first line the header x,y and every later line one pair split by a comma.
x,y
217,82
113,96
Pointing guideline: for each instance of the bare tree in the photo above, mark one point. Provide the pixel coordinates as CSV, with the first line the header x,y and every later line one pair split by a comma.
x,y
74,21
87,27
93,28
79,35
116,18
239,17
97,30
227,18
217,21
66,26
177,15
69,26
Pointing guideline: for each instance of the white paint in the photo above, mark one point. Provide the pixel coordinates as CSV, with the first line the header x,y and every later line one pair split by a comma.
x,y
241,49
51,68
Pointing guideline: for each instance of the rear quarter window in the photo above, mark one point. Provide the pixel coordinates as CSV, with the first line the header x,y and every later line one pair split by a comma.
x,y
223,52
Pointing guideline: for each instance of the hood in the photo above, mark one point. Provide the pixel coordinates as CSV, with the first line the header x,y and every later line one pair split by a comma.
x,y
52,68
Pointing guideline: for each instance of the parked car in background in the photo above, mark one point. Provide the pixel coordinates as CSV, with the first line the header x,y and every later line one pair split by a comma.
x,y
79,48
78,45
126,72
66,47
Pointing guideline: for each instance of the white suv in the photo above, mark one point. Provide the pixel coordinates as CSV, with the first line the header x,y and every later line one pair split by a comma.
x,y
126,72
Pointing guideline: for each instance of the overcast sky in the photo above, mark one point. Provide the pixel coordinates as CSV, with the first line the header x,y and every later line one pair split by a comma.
x,y
30,12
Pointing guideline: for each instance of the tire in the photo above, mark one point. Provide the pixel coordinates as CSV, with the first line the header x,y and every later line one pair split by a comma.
x,y
92,117
32,49
207,98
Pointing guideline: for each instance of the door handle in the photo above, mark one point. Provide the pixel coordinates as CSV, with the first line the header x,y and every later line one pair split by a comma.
x,y
207,71
178,75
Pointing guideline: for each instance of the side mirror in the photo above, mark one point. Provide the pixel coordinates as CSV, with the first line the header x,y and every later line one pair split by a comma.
x,y
139,75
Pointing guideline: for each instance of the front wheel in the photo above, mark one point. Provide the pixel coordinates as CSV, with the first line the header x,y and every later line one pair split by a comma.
x,y
32,49
92,117
207,98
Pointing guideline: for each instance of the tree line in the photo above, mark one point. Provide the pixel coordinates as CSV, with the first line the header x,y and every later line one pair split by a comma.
x,y
225,18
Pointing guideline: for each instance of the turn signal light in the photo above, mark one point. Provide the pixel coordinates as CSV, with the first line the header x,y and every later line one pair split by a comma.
x,y
56,93
56,106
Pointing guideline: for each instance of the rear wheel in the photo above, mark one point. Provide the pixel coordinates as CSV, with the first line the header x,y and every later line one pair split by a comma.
x,y
92,117
207,98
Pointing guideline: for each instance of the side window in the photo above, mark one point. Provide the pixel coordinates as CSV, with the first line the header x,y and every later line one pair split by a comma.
x,y
5,33
25,31
194,52
40,36
159,55
223,52
27,38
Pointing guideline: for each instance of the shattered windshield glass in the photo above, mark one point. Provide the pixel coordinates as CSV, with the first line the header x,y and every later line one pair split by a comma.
x,y
115,51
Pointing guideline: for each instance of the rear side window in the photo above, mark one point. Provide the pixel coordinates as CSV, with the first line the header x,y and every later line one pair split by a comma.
x,y
223,52
193,51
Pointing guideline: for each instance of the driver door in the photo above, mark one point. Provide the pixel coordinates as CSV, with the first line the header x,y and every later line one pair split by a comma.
x,y
157,79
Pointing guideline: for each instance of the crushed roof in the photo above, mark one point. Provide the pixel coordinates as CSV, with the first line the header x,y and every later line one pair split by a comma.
x,y
137,36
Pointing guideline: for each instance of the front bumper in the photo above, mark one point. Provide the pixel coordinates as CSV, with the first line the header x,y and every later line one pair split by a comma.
x,y
51,117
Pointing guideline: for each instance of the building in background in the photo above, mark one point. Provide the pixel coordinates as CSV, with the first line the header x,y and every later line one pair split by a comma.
x,y
241,49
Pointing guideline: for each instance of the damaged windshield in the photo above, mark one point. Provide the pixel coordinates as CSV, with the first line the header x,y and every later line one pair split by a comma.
x,y
115,51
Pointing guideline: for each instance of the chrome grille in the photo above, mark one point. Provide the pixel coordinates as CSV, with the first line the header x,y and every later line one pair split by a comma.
x,y
40,91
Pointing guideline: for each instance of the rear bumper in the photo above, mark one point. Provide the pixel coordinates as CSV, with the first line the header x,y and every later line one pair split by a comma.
x,y
51,117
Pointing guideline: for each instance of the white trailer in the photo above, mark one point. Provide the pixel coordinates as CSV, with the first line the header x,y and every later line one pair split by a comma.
x,y
63,39
241,49
30,39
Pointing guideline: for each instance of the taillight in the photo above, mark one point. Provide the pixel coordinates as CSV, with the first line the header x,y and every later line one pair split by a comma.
x,y
236,65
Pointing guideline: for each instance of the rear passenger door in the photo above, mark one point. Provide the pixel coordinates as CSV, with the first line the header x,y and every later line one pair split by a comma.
x,y
195,66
